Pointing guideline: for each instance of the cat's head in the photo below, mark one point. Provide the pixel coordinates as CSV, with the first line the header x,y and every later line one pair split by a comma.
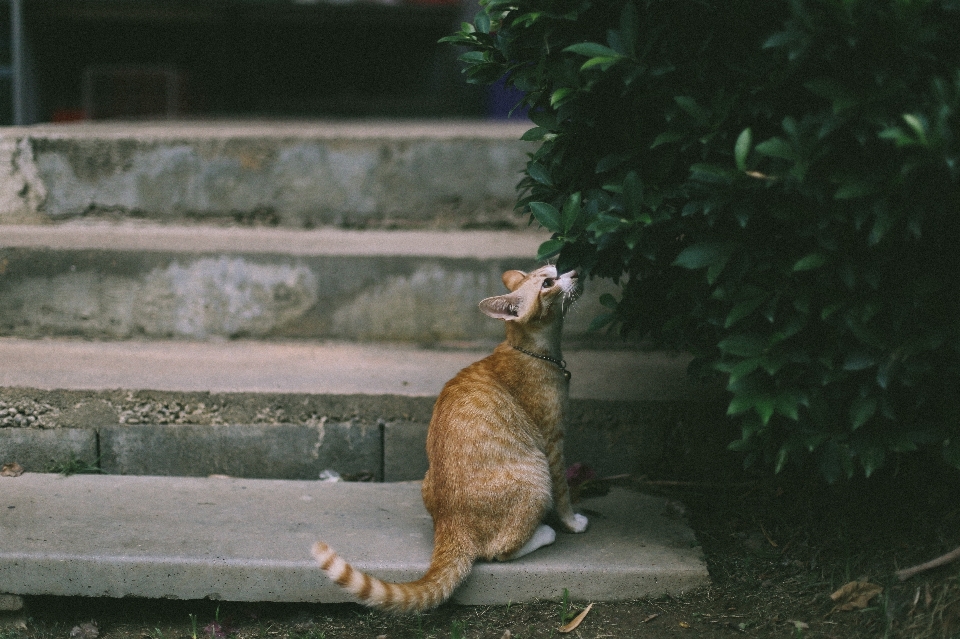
x,y
541,295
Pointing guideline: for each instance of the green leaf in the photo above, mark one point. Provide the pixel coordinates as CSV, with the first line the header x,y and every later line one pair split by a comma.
x,y
665,138
918,126
603,61
782,456
743,345
592,50
788,405
539,174
858,361
810,262
546,119
559,96
604,224
776,148
741,150
703,255
571,211
854,190
872,458
547,215
474,57
535,134
482,20
861,411
741,403
711,173
765,406
742,310
548,249
694,110
608,301
740,370
779,39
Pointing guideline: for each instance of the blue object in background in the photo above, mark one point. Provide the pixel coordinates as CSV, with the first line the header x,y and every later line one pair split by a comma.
x,y
502,101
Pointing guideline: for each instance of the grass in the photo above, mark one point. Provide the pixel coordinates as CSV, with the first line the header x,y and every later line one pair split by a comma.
x,y
776,548
73,465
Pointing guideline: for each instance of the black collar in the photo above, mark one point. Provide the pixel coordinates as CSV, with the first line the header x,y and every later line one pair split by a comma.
x,y
553,360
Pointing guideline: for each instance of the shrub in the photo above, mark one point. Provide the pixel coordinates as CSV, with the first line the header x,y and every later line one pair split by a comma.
x,y
774,186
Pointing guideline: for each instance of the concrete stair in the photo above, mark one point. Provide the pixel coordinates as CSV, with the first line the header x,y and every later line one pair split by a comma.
x,y
248,541
268,301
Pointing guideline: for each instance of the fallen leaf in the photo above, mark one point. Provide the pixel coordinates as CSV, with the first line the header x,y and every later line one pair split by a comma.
x,y
855,595
506,635
11,470
684,624
799,625
570,627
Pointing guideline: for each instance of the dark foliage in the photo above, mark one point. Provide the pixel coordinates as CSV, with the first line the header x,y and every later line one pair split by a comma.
x,y
776,187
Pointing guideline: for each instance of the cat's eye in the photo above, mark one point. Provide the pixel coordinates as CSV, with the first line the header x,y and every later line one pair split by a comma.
x,y
547,283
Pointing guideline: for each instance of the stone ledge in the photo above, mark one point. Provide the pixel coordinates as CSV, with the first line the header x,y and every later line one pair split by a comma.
x,y
332,368
293,174
205,538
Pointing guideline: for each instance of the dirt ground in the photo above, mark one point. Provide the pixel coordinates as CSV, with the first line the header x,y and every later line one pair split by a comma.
x,y
776,547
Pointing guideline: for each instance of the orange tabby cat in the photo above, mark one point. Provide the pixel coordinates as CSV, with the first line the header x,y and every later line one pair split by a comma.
x,y
495,447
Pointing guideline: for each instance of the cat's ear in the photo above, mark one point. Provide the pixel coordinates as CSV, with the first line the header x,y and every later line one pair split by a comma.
x,y
505,307
512,279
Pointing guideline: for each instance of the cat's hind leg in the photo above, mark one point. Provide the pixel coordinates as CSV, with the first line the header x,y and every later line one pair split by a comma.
x,y
543,536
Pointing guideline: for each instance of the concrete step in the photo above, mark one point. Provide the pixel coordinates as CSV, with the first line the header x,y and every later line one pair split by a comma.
x,y
291,410
450,174
191,538
117,281
272,353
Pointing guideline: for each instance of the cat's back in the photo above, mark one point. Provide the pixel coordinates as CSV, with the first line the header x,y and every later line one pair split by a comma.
x,y
505,388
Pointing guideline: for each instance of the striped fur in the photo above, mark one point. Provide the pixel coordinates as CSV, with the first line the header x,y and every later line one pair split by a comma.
x,y
495,448
429,591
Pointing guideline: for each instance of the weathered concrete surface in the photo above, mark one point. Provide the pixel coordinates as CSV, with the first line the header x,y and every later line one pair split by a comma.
x,y
139,280
289,410
249,540
275,435
270,451
296,174
41,450
324,368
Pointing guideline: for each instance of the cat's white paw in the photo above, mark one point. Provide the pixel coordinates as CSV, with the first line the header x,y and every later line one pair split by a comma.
x,y
577,524
543,536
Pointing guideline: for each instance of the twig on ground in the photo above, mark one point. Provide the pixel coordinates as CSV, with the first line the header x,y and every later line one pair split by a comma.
x,y
942,560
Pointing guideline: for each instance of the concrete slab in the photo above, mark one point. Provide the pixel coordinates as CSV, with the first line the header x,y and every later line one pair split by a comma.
x,y
294,174
118,281
307,367
83,235
249,540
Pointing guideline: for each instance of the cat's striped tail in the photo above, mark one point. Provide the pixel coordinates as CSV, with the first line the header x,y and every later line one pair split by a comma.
x,y
447,570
